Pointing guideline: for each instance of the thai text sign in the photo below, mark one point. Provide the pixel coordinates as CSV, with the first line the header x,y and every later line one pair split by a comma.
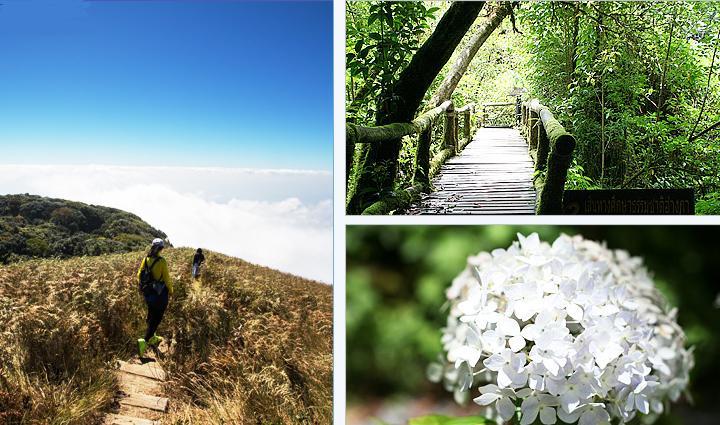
x,y
629,202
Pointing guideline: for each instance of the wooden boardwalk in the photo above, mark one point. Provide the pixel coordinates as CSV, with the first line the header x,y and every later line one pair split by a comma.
x,y
492,175
141,400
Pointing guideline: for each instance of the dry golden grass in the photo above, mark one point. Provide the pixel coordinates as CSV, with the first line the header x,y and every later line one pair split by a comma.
x,y
253,345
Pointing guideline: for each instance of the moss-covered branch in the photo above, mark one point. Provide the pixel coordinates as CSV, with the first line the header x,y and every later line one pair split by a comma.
x,y
360,134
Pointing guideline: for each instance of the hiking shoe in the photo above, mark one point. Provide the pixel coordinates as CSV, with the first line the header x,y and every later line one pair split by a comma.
x,y
142,346
155,340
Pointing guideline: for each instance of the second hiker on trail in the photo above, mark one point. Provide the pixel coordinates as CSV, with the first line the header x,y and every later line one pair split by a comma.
x,y
156,287
198,259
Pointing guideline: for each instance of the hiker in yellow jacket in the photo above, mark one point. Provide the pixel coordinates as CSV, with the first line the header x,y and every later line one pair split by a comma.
x,y
156,286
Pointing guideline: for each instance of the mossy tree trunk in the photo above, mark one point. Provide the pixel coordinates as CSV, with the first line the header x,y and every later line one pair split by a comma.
x,y
402,102
464,58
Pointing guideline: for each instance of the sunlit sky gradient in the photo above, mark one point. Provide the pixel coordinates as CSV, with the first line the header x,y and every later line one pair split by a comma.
x,y
213,83
211,120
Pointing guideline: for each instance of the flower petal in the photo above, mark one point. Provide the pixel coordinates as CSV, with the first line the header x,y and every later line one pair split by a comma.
x,y
524,393
642,403
505,408
574,311
490,388
547,415
568,418
486,398
569,401
530,332
517,343
494,362
551,365
529,409
503,380
507,326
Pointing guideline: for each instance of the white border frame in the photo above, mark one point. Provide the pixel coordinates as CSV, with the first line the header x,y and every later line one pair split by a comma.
x,y
339,374
341,220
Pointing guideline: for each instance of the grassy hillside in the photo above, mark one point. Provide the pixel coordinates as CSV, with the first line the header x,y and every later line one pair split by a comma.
x,y
33,226
254,345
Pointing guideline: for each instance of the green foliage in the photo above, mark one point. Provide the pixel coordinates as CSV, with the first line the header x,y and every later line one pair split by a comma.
x,y
406,162
629,80
33,226
493,73
709,204
576,178
447,420
381,39
69,218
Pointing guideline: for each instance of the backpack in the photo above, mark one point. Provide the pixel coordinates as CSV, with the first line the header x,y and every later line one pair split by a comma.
x,y
148,284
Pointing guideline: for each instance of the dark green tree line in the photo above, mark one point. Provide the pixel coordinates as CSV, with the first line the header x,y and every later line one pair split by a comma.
x,y
637,84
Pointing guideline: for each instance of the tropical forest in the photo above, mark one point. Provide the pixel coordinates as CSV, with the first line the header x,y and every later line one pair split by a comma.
x,y
33,226
626,95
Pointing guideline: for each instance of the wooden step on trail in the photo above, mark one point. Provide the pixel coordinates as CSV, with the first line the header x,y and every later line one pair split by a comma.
x,y
141,400
127,420
149,370
147,401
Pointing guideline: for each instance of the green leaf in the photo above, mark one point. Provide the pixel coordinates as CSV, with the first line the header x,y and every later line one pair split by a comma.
x,y
449,420
372,18
389,18
364,52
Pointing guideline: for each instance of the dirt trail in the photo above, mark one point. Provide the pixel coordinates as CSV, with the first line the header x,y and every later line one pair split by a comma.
x,y
141,400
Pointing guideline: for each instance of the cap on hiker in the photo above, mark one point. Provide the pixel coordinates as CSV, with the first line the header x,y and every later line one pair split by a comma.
x,y
158,242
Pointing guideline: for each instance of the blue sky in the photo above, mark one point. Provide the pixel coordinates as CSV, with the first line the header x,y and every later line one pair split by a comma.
x,y
213,83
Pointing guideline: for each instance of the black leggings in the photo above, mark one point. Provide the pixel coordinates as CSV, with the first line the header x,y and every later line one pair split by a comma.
x,y
156,305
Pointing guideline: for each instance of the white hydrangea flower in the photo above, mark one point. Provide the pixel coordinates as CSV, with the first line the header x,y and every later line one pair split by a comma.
x,y
567,331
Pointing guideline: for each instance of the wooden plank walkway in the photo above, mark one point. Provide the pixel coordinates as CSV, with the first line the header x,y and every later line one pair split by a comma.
x,y
141,400
492,175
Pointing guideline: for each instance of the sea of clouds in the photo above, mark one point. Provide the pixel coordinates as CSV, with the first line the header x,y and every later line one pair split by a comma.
x,y
277,218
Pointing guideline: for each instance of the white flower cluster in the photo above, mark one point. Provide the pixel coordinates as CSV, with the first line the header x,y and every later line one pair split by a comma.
x,y
570,330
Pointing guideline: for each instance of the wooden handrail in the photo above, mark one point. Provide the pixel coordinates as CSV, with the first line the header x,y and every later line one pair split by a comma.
x,y
552,147
360,134
485,106
467,108
499,104
467,112
424,167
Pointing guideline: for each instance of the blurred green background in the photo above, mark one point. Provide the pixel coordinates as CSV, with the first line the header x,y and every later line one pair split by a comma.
x,y
397,275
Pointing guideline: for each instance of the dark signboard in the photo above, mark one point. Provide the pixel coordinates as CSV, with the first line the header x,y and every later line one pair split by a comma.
x,y
629,202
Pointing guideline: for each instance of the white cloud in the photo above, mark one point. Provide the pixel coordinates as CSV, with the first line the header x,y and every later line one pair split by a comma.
x,y
277,218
